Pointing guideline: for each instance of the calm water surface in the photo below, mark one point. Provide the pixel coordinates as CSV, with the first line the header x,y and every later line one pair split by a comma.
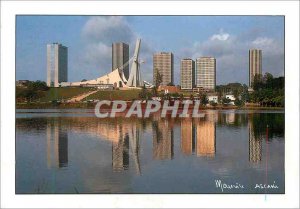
x,y
72,151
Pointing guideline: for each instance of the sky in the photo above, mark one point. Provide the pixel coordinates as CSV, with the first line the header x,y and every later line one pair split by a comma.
x,y
89,39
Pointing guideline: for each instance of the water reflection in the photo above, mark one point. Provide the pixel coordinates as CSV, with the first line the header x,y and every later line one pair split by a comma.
x,y
197,136
134,147
206,138
57,145
188,136
120,154
255,145
163,140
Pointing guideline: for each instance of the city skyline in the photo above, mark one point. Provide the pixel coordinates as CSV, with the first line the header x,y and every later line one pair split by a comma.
x,y
227,38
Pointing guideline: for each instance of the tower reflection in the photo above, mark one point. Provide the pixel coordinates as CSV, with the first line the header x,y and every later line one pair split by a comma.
x,y
127,144
206,138
255,143
188,133
57,145
120,154
163,140
199,136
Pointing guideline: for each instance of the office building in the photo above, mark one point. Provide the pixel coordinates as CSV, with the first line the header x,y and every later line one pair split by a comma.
x,y
187,74
206,73
120,58
163,63
255,64
57,64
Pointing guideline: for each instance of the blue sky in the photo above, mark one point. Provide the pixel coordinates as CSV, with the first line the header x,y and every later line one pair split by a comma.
x,y
89,38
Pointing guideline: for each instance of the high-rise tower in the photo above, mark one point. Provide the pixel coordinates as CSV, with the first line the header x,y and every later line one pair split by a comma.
x,y
206,73
187,74
57,64
120,58
163,63
255,64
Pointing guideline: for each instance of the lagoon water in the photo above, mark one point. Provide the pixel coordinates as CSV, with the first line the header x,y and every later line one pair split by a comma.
x,y
72,151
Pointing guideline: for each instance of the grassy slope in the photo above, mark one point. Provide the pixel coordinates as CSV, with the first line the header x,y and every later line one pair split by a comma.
x,y
61,93
116,95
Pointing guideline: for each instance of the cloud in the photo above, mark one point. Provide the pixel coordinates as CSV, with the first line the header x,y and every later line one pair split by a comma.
x,y
97,36
262,41
107,30
220,36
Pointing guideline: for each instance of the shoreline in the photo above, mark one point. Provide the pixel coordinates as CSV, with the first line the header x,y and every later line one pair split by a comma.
x,y
92,106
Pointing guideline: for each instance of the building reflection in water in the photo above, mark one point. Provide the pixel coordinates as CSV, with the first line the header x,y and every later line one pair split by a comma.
x,y
188,139
120,154
163,140
206,138
128,144
230,117
57,145
255,145
198,136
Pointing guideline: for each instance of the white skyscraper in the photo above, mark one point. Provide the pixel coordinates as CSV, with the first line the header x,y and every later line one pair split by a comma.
x,y
57,64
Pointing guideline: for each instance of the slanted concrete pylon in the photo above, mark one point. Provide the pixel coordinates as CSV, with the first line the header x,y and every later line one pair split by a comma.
x,y
134,79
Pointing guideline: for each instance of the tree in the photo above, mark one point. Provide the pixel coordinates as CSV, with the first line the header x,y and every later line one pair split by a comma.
x,y
33,90
268,80
143,93
212,103
181,97
154,91
192,97
257,82
226,100
245,94
37,86
83,80
238,102
204,99
268,91
158,78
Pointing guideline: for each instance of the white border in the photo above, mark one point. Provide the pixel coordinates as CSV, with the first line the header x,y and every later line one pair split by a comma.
x,y
10,9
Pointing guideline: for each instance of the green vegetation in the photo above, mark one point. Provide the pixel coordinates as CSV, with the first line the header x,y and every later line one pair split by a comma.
x,y
115,95
158,78
64,93
31,91
268,91
39,91
203,99
233,88
144,94
274,122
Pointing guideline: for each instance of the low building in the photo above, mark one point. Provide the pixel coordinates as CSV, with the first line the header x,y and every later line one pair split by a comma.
x,y
230,96
213,98
169,89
